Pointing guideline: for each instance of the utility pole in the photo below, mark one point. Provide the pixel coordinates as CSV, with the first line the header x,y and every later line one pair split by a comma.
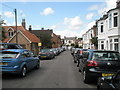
x,y
16,25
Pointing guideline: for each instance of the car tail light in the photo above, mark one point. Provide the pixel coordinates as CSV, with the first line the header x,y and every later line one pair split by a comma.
x,y
92,63
47,53
40,53
80,51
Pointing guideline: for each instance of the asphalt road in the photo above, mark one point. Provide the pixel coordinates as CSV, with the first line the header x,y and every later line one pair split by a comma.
x,y
60,72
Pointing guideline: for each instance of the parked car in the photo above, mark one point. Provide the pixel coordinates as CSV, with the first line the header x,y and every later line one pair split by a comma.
x,y
18,61
109,82
72,51
55,50
75,54
79,55
10,46
97,63
46,54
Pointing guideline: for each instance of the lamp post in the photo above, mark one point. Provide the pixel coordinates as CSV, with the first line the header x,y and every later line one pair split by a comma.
x,y
16,25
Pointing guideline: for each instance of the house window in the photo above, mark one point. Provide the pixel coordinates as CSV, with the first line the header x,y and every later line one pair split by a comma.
x,y
101,28
102,44
115,21
115,18
110,20
111,46
10,34
116,47
115,40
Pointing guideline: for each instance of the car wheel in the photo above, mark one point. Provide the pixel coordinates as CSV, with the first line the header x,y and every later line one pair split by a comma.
x,y
98,88
23,72
79,69
85,77
77,64
38,65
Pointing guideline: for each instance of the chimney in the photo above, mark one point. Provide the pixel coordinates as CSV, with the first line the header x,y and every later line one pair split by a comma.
x,y
42,28
24,23
118,4
30,27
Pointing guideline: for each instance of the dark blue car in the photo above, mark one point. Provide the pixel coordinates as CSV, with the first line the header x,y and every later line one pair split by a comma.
x,y
18,61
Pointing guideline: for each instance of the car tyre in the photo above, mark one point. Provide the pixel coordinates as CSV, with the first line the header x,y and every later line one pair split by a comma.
x,y
23,71
38,65
85,77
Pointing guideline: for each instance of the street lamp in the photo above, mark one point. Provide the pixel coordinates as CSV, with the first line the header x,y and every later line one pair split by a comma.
x,y
16,25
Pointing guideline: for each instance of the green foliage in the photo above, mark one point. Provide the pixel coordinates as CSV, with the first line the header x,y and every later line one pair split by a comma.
x,y
94,41
76,46
72,44
46,41
2,33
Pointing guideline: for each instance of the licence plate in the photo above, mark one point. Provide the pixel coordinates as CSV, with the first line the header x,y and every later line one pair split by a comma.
x,y
3,63
107,74
43,56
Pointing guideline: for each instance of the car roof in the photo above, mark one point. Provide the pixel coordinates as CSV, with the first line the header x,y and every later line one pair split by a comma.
x,y
10,43
15,50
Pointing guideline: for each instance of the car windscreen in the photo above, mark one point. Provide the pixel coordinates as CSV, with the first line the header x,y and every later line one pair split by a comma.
x,y
10,46
9,54
45,50
105,56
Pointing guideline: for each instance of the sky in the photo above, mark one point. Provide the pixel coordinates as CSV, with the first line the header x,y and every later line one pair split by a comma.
x,y
66,18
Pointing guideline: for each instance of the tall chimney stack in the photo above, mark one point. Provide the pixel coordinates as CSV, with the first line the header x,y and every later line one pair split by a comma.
x,y
118,4
30,27
24,23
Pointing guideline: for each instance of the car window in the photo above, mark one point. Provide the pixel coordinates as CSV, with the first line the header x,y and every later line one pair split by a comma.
x,y
25,54
9,54
105,56
85,55
45,50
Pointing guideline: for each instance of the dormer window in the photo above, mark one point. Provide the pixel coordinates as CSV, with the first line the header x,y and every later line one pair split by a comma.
x,y
10,33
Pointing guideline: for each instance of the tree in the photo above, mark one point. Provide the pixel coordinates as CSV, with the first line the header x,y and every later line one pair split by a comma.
x,y
46,41
94,41
2,31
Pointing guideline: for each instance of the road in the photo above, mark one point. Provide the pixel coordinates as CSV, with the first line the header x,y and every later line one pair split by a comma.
x,y
60,72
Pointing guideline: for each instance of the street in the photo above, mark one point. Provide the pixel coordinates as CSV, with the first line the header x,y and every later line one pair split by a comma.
x,y
60,72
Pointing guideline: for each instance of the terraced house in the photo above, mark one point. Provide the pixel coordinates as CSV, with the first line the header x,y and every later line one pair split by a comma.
x,y
109,30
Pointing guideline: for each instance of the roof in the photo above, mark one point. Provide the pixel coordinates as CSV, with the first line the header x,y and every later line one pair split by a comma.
x,y
29,35
39,33
70,38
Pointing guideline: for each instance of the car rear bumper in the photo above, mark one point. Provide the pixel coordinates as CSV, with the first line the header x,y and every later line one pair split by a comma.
x,y
97,74
9,70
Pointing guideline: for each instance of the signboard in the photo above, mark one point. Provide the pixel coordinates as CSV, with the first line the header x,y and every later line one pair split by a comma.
x,y
39,44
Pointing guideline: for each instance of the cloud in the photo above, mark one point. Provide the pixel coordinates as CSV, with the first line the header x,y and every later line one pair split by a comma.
x,y
8,14
22,14
73,23
109,4
89,16
88,26
47,11
93,7
67,33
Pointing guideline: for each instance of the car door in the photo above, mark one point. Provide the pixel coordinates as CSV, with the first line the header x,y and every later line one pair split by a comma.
x,y
28,59
34,59
83,60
